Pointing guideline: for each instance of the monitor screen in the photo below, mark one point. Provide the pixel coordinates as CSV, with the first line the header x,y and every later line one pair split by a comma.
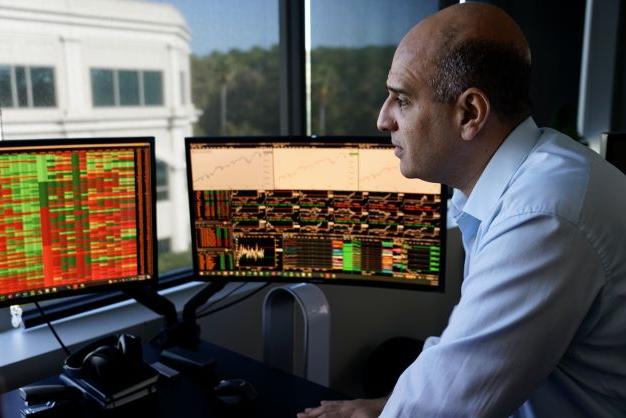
x,y
615,149
75,216
329,210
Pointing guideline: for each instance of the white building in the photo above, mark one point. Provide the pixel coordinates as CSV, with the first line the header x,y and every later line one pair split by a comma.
x,y
106,68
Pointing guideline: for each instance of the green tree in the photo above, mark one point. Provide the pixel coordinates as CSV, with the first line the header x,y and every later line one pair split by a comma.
x,y
238,91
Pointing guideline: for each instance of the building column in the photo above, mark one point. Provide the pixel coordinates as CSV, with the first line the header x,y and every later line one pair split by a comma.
x,y
75,84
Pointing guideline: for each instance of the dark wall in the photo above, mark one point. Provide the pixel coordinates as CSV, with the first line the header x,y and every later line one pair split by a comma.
x,y
618,122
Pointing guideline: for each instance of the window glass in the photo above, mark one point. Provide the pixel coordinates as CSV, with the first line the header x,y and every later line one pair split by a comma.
x,y
352,45
6,92
164,245
153,87
618,122
102,88
22,86
162,180
129,87
42,81
234,66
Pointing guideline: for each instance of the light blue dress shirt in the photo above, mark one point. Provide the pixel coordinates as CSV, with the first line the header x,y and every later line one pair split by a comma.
x,y
540,329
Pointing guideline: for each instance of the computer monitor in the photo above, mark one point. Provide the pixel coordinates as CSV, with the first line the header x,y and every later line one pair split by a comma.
x,y
613,148
76,215
312,209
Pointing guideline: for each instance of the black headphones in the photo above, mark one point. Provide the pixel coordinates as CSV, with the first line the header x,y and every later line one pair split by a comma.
x,y
107,358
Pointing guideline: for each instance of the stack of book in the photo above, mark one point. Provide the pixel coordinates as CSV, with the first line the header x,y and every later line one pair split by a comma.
x,y
121,391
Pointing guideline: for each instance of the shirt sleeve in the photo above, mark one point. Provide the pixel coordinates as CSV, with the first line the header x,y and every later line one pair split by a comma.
x,y
530,282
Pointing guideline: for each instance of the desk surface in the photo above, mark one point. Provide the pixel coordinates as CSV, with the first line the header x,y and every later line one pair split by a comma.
x,y
280,394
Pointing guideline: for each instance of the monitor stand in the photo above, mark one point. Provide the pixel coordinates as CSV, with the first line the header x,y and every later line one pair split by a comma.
x,y
178,341
184,332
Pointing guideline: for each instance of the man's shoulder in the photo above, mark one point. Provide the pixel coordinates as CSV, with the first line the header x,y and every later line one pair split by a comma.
x,y
554,179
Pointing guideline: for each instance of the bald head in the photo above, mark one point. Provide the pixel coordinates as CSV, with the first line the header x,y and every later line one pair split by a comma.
x,y
472,45
476,21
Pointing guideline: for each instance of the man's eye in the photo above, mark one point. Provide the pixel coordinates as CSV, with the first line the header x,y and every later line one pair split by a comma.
x,y
402,102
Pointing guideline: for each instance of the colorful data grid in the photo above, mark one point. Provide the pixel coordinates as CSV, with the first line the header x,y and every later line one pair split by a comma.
x,y
67,218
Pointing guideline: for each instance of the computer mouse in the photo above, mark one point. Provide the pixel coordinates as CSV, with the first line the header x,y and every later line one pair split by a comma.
x,y
235,391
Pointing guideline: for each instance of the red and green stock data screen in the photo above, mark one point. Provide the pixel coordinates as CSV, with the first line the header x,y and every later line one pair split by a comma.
x,y
74,216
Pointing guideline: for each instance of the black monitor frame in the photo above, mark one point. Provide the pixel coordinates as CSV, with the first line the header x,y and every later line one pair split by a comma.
x,y
306,140
123,286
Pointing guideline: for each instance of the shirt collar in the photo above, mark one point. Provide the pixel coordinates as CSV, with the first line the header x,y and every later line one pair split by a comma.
x,y
499,171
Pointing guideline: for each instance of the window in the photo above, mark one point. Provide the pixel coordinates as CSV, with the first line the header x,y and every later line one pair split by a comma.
x,y
126,87
153,88
164,245
162,181
21,86
24,86
6,91
42,86
235,66
129,88
352,45
102,88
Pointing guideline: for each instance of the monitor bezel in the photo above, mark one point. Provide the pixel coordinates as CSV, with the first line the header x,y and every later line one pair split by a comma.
x,y
150,283
325,139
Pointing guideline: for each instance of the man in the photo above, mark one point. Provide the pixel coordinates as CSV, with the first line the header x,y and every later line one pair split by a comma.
x,y
540,329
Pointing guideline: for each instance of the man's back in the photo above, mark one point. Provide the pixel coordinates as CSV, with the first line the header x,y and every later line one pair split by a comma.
x,y
573,183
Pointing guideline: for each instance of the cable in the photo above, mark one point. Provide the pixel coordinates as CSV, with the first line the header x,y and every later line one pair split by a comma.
x,y
228,305
45,318
204,308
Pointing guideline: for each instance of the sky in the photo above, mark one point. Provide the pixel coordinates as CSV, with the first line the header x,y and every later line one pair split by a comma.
x,y
221,25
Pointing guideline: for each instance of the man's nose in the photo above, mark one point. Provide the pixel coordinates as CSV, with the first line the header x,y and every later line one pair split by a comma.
x,y
385,122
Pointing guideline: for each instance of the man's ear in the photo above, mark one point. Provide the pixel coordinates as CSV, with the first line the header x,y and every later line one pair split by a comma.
x,y
473,109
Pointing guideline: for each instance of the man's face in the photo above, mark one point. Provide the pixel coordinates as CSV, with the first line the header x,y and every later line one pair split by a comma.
x,y
420,127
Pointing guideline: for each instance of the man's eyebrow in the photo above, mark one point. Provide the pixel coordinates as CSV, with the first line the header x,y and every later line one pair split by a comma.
x,y
397,90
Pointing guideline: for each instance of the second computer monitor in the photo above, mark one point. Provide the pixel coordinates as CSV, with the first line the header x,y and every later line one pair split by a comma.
x,y
330,210
77,216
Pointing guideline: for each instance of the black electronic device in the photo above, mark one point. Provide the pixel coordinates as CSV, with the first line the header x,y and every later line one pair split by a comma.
x,y
235,392
49,400
188,361
312,209
78,215
613,148
39,394
106,358
111,371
